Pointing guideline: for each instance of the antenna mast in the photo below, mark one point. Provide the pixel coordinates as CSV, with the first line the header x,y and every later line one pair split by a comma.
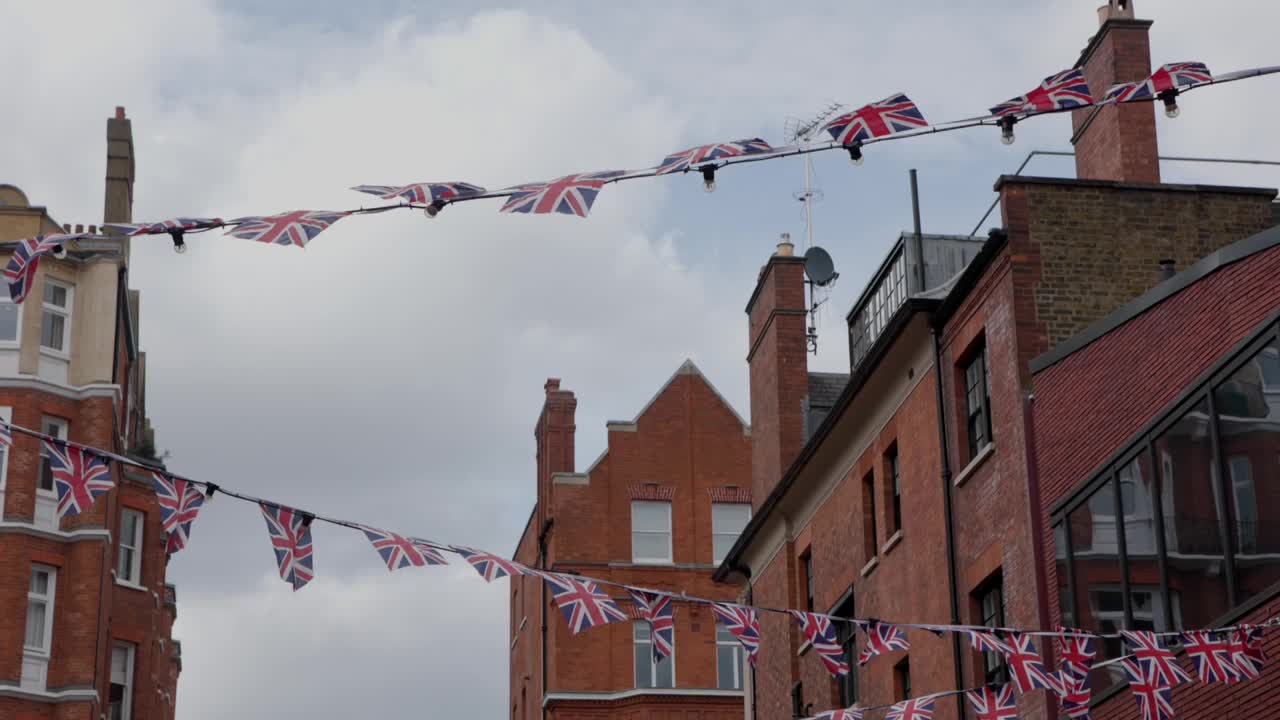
x,y
801,133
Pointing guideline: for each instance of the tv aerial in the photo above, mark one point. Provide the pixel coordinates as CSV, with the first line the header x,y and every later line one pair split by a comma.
x,y
801,132
820,272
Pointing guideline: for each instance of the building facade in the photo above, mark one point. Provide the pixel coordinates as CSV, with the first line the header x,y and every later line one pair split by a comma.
x,y
658,509
918,497
85,613
1159,460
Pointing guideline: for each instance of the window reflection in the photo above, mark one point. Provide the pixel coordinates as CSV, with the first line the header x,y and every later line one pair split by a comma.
x,y
1248,406
1196,560
1099,601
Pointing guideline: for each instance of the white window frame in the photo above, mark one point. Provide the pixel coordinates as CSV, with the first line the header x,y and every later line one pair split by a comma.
x,y
135,569
729,641
61,428
715,531
126,706
6,414
16,342
64,311
669,559
48,600
653,666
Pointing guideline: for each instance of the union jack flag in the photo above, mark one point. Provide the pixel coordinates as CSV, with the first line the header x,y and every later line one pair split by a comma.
x,y
993,703
164,226
1170,77
6,434
742,623
291,228
180,502
569,195
398,551
1025,665
660,613
1073,691
1210,655
583,603
1246,651
1061,91
1158,660
491,567
21,270
1155,698
422,193
985,641
80,476
882,638
290,532
817,629
705,153
1077,650
915,709
849,713
892,115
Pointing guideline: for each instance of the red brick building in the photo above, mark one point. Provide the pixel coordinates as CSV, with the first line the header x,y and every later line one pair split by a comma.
x,y
1158,436
917,497
658,508
85,614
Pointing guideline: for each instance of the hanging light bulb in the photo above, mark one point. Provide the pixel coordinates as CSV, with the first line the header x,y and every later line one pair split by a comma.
x,y
209,490
1006,131
855,154
179,245
1170,105
60,251
433,209
709,177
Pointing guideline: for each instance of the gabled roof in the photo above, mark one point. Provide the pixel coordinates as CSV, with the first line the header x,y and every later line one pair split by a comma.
x,y
686,368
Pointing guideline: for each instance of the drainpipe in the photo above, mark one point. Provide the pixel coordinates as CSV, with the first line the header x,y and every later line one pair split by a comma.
x,y
948,515
1037,530
542,612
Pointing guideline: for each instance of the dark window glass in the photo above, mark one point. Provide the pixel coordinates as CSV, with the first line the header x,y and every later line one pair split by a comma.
x,y
869,533
847,636
896,488
902,679
797,700
991,609
977,400
1137,501
1248,406
806,566
1192,515
1099,600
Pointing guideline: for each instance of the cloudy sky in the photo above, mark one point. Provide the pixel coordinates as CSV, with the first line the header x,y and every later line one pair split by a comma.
x,y
392,372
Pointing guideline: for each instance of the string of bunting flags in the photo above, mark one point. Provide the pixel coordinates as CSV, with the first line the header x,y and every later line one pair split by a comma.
x,y
894,118
81,474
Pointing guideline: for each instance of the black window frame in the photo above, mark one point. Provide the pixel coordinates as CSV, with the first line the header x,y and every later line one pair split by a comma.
x,y
1200,390
975,370
902,679
893,467
870,533
847,637
995,669
806,566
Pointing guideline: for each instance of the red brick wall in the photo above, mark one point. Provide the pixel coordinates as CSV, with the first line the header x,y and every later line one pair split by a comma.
x,y
1117,142
687,446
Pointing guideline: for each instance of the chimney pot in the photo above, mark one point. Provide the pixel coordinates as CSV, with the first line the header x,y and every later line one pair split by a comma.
x,y
66,227
119,112
552,385
79,228
785,246
93,229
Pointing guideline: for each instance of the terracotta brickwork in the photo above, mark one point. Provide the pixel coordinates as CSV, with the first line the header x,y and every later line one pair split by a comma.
x,y
685,449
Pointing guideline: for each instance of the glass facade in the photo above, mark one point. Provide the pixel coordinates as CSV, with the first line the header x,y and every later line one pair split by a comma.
x,y
1169,537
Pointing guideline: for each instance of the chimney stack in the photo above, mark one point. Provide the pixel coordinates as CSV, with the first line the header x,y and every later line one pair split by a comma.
x,y
554,437
778,356
118,200
1118,141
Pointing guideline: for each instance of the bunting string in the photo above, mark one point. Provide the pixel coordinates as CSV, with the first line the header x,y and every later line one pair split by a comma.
x,y
894,118
1222,655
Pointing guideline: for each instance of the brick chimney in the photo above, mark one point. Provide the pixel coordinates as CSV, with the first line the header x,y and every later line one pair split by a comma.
x,y
118,201
778,357
1116,142
554,437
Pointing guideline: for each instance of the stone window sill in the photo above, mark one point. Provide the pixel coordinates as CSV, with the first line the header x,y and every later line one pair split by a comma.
x,y
871,565
987,451
892,542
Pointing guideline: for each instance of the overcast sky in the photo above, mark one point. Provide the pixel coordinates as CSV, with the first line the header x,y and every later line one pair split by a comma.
x,y
392,372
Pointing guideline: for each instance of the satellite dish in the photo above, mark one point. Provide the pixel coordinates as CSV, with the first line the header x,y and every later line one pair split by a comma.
x,y
818,266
